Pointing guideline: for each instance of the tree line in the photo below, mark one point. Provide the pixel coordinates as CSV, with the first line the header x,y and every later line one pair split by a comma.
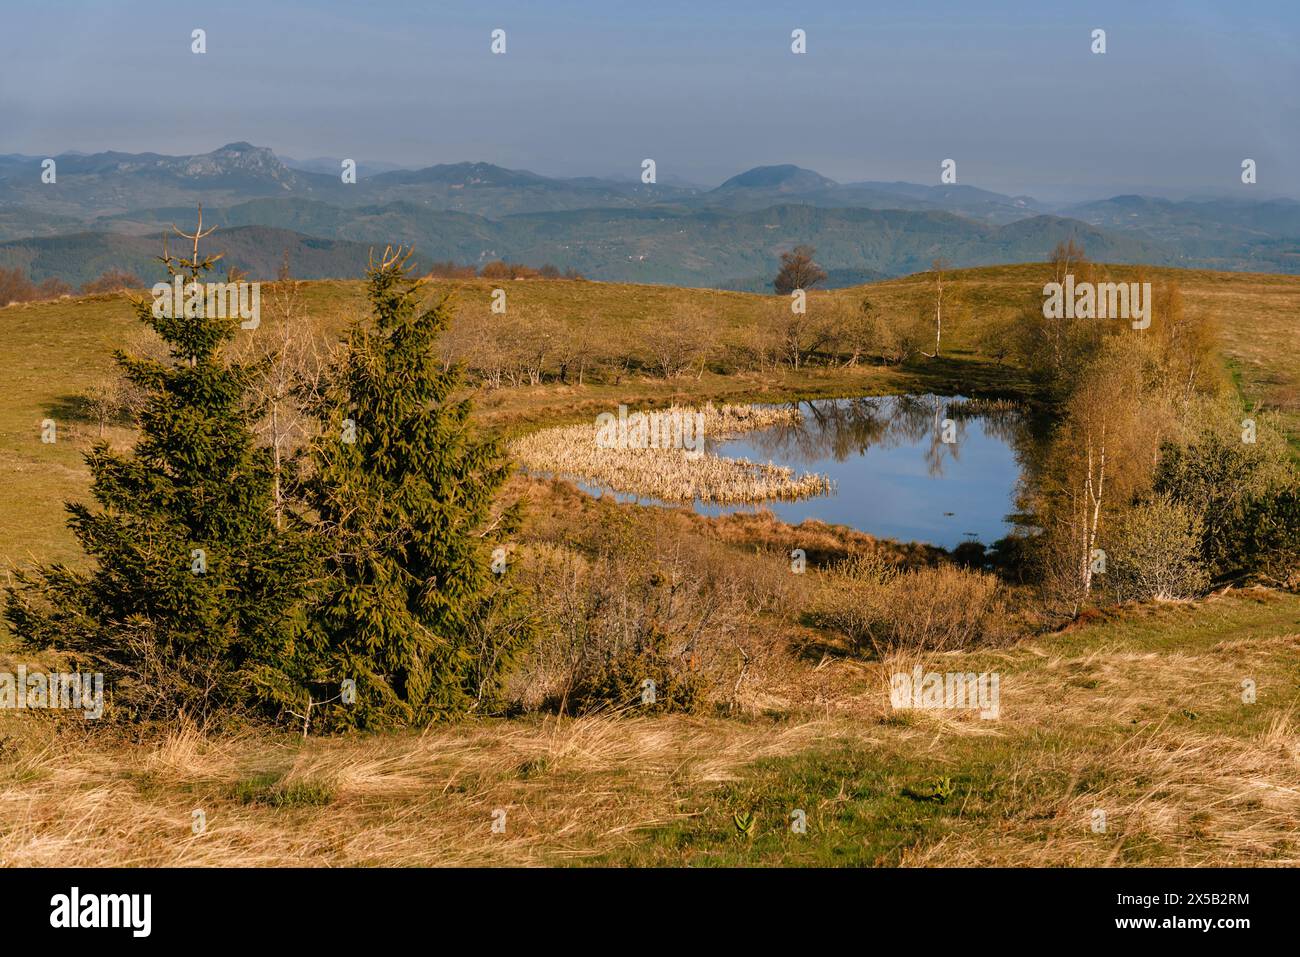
x,y
1156,480
15,286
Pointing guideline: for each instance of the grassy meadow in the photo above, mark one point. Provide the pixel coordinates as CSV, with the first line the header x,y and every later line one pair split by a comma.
x,y
1098,718
1136,711
51,351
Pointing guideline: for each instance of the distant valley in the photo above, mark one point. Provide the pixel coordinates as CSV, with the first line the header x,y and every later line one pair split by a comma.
x,y
107,210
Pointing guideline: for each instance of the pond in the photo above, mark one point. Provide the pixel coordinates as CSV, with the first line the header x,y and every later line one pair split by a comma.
x,y
894,474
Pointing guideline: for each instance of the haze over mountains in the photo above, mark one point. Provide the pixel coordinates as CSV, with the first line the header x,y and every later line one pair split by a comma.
x,y
106,210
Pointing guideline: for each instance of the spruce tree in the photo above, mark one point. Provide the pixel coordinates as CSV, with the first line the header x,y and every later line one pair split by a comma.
x,y
405,488
193,599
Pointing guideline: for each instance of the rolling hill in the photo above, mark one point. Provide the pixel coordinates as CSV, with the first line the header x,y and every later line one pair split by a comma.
x,y
256,250
608,229
662,244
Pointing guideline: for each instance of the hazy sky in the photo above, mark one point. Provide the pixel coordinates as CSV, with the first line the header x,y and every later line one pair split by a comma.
x,y
887,89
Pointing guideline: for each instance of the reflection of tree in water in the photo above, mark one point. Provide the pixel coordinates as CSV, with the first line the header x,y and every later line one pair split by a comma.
x,y
836,428
1007,426
843,428
919,418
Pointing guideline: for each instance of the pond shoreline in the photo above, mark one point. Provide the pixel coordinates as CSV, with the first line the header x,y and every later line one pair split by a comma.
x,y
574,404
889,466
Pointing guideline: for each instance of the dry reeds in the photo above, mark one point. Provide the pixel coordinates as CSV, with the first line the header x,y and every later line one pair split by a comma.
x,y
969,408
673,474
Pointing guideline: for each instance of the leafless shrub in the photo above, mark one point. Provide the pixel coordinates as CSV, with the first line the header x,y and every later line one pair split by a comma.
x,y
16,287
880,607
104,402
113,281
682,343
672,613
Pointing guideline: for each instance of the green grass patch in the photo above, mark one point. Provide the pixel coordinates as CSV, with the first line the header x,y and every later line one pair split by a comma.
x,y
270,790
855,802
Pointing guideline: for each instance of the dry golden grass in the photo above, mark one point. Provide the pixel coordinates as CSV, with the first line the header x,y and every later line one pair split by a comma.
x,y
1138,715
1200,800
569,788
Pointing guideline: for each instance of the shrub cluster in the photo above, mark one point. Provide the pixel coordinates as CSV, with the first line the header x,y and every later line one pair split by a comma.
x,y
880,607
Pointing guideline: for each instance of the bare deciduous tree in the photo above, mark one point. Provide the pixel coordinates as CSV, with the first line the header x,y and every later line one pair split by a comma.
x,y
285,363
938,266
683,343
798,271
113,280
104,402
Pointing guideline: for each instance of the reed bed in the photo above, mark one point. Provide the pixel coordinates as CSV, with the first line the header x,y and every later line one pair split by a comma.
x,y
673,474
959,408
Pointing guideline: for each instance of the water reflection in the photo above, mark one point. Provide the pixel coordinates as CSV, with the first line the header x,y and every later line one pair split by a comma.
x,y
928,468
838,429
931,468
842,428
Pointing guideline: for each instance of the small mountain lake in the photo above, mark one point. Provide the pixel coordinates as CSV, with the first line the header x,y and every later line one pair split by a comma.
x,y
894,475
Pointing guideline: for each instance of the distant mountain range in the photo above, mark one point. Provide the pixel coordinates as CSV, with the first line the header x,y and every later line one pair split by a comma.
x,y
332,165
106,210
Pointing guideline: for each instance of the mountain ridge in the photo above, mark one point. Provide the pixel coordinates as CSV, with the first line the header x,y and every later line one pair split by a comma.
x,y
475,211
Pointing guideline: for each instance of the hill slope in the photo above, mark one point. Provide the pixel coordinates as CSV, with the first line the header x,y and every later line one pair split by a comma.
x,y
51,351
1139,715
656,244
257,250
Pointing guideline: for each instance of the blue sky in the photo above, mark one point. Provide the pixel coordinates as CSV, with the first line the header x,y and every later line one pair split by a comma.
x,y
887,90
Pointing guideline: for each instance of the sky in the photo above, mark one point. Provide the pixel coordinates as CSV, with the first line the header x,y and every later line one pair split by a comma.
x,y
886,91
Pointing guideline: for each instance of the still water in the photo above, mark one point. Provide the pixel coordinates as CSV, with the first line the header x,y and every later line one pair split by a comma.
x,y
894,474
